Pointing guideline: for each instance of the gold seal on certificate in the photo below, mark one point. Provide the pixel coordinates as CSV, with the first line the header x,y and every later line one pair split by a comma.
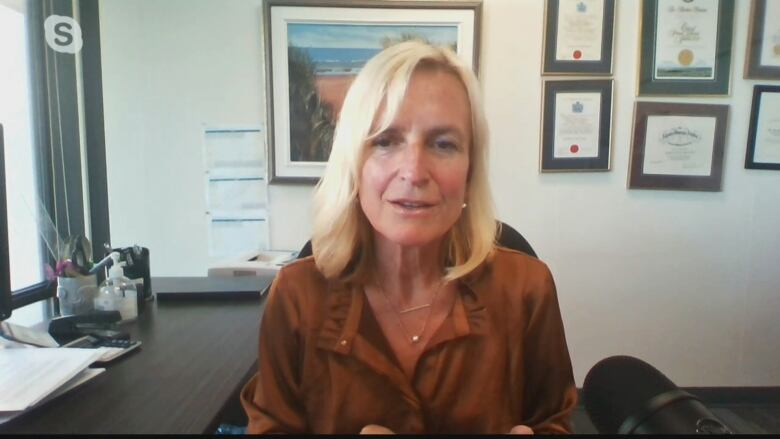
x,y
686,41
685,57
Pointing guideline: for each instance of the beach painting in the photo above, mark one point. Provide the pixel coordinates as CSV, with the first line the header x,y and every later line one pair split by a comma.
x,y
323,60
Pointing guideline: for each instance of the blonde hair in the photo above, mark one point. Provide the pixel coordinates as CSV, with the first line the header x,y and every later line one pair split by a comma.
x,y
342,239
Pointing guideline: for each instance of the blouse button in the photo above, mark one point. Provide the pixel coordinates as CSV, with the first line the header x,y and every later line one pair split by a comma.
x,y
343,342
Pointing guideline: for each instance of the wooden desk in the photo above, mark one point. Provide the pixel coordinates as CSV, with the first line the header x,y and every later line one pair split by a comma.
x,y
196,355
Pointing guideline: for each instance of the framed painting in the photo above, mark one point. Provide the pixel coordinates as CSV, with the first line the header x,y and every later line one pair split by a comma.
x,y
315,48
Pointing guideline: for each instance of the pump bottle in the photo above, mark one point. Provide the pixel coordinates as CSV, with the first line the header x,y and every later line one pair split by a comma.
x,y
118,293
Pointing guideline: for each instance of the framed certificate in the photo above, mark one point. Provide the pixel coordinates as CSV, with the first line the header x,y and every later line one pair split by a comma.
x,y
686,47
763,147
678,146
578,37
576,126
763,44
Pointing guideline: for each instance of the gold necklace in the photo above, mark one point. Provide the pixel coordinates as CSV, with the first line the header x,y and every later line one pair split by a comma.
x,y
414,308
413,338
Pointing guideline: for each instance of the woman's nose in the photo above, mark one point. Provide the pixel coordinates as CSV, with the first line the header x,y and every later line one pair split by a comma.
x,y
414,164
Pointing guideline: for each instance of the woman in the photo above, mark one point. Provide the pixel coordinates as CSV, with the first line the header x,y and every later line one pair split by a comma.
x,y
408,318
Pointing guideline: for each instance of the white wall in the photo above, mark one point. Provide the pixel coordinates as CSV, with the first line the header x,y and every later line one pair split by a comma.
x,y
169,67
685,280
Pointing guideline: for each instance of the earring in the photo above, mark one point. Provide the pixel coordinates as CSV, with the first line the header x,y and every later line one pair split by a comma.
x,y
464,206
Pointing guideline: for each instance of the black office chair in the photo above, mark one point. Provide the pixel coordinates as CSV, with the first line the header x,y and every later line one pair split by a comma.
x,y
508,237
512,239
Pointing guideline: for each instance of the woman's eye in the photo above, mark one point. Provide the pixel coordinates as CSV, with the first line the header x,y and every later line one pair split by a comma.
x,y
446,145
382,141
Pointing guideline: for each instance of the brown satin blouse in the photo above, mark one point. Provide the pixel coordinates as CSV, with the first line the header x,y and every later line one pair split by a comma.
x,y
500,358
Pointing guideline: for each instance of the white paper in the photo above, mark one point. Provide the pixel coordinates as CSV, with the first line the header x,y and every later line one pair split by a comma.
x,y
226,194
580,28
236,191
84,376
577,118
29,375
234,236
770,50
26,335
679,145
686,40
768,130
234,147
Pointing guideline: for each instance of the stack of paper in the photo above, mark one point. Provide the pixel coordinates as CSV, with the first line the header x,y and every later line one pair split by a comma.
x,y
29,377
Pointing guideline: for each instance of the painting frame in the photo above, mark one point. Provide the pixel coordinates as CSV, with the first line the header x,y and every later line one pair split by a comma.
x,y
278,15
552,65
682,83
755,139
681,117
577,122
754,69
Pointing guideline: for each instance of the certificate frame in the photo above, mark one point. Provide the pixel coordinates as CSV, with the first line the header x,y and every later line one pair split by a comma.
x,y
684,115
301,112
598,156
685,84
754,69
759,92
551,65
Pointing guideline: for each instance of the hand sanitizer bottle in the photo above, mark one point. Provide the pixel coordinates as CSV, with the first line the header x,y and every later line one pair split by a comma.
x,y
118,293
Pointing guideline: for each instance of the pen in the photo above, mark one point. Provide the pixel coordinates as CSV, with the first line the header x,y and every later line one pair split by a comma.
x,y
105,262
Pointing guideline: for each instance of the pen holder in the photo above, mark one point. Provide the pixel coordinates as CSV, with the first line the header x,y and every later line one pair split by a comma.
x,y
76,294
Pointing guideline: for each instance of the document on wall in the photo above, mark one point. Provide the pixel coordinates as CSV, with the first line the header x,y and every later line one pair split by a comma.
x,y
679,145
580,27
28,376
686,44
237,190
770,50
234,147
577,118
767,148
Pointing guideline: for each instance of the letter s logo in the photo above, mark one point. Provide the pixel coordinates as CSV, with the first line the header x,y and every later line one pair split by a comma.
x,y
63,34
62,30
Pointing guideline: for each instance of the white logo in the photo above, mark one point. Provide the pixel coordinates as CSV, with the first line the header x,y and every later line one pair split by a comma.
x,y
63,34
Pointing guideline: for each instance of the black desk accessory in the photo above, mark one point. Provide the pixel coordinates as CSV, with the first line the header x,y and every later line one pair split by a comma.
x,y
68,328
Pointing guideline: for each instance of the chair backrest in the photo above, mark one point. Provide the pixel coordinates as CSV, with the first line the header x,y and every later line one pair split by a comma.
x,y
507,237
512,239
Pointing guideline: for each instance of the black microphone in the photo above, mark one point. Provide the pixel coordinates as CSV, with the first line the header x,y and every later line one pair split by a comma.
x,y
625,395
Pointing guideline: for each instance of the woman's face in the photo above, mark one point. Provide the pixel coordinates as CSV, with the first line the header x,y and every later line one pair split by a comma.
x,y
413,182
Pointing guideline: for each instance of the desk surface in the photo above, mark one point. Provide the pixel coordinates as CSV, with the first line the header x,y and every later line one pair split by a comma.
x,y
195,355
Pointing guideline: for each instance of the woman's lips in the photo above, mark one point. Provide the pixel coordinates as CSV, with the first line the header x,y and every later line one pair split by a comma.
x,y
412,207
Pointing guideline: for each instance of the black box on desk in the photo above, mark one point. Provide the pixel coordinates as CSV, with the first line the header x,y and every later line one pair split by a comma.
x,y
137,267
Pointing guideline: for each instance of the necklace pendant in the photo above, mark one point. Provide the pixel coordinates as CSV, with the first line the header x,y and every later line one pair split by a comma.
x,y
415,338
